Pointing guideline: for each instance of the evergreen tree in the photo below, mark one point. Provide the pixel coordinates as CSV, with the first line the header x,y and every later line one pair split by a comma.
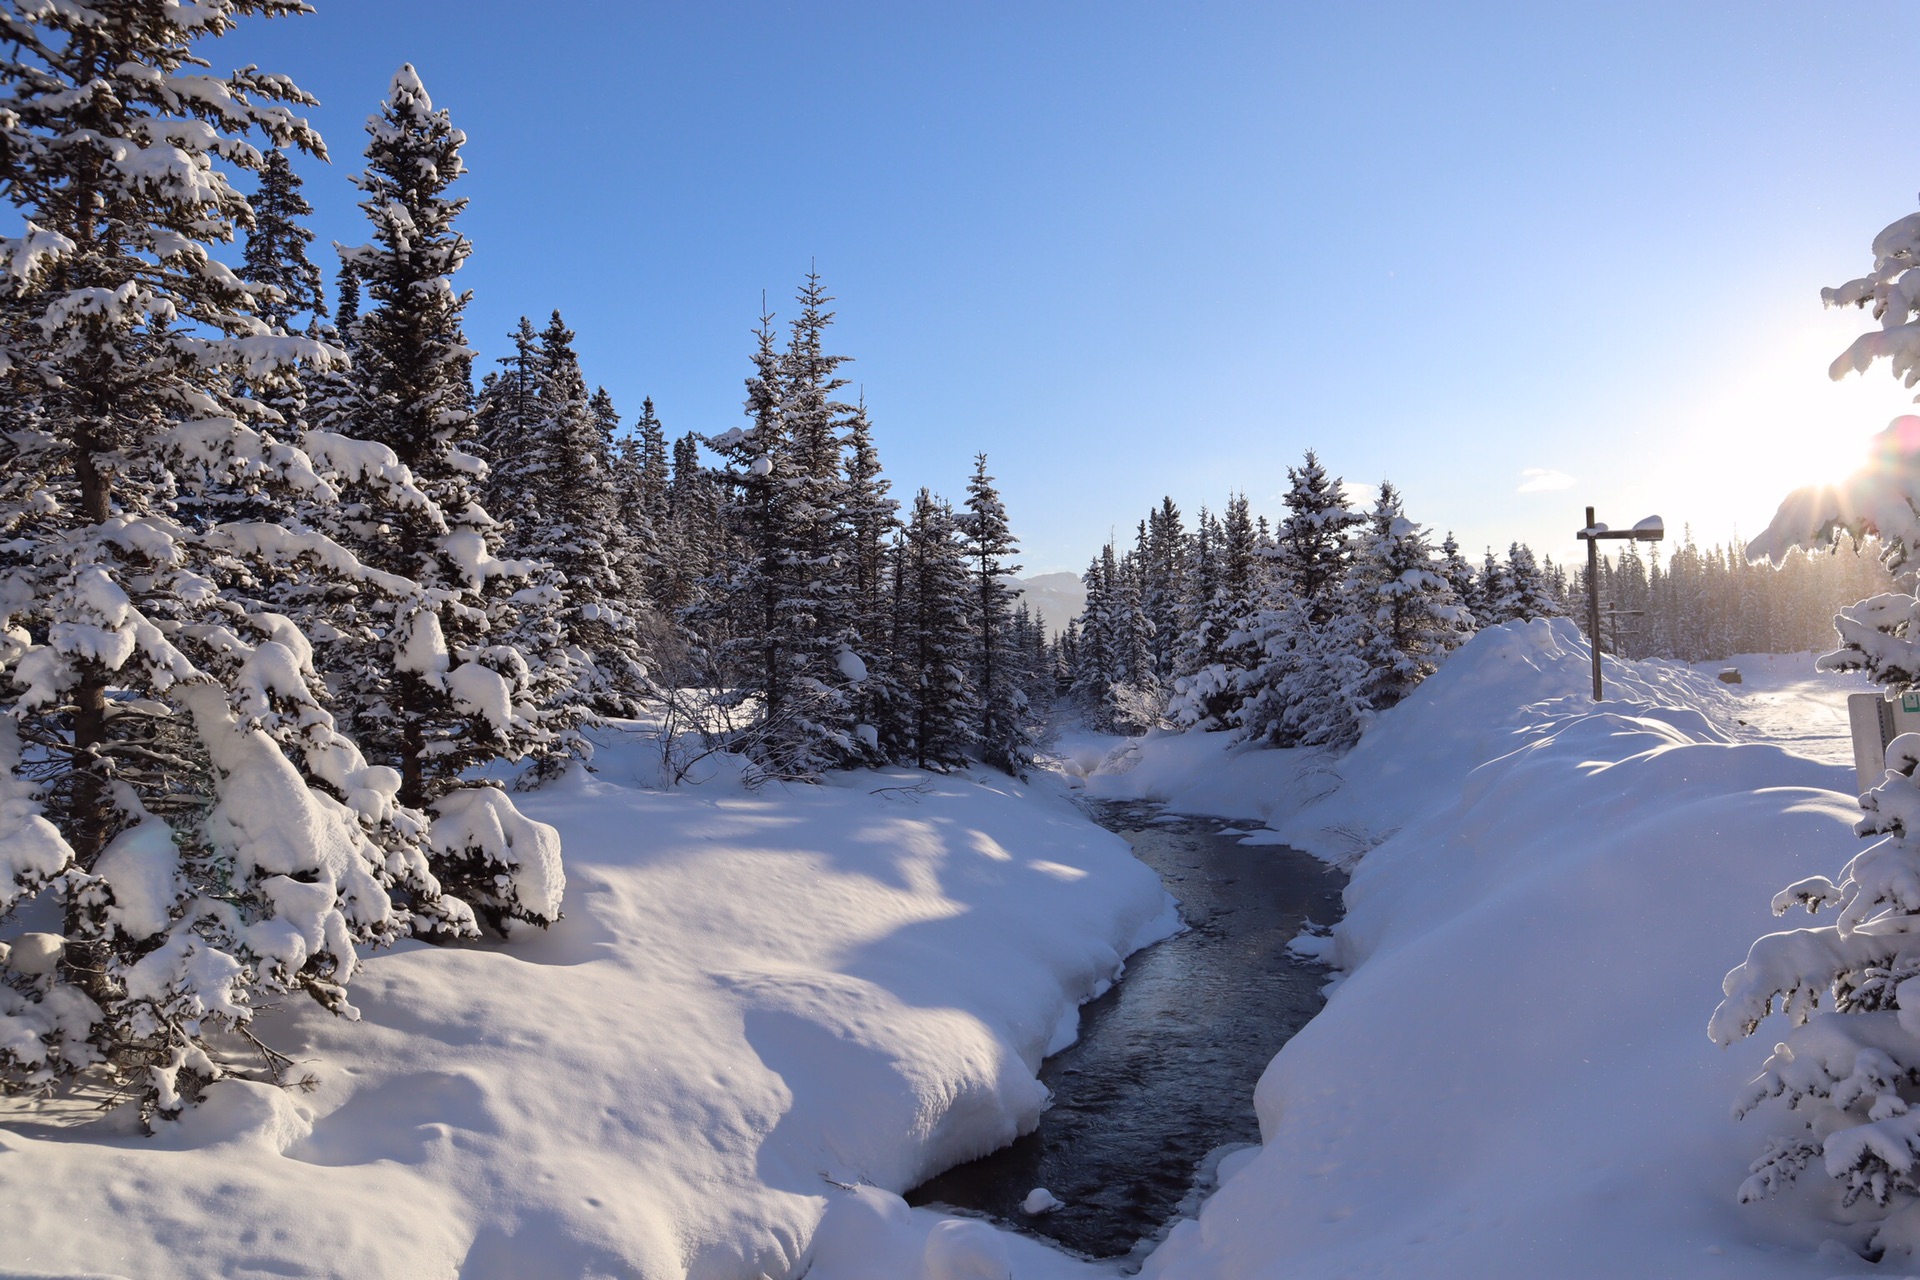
x,y
1164,559
276,251
777,602
989,541
555,467
695,545
430,691
1489,591
167,762
640,511
1455,568
1527,593
1313,548
931,645
1409,616
871,518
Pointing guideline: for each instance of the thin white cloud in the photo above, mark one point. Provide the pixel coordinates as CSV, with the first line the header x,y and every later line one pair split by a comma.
x,y
1543,480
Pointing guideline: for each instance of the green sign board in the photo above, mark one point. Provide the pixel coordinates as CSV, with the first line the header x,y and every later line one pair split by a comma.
x,y
1910,702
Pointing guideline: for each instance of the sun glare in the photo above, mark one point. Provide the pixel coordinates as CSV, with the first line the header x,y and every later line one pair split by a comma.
x,y
1778,425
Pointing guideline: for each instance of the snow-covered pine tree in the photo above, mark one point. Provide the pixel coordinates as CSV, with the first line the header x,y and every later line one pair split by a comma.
x,y
276,259
1526,591
1314,545
635,542
1458,572
870,518
1003,736
696,546
431,690
1489,589
553,471
1321,697
177,795
1164,558
933,652
819,586
276,249
1200,578
771,600
1305,681
1221,647
505,416
1094,668
1409,616
641,481
331,395
1065,652
1848,1063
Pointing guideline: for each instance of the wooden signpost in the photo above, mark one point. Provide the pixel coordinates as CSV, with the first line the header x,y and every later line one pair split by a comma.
x,y
1649,530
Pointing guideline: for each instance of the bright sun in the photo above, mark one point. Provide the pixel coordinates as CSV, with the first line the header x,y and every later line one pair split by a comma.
x,y
1779,425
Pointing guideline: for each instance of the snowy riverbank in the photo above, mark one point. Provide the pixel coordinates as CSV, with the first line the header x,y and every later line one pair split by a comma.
x,y
1513,1078
752,996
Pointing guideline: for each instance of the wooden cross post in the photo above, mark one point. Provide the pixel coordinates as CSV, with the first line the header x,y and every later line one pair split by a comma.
x,y
1649,530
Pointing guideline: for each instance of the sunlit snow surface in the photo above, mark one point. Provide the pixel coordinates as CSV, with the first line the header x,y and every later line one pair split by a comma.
x,y
754,996
757,996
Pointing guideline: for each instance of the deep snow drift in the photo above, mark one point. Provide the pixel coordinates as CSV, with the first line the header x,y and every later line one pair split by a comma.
x,y
753,996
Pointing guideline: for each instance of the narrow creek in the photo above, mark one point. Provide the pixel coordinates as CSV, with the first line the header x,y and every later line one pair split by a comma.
x,y
1164,1070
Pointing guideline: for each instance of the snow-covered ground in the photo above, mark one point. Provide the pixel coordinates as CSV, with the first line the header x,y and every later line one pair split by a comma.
x,y
759,1001
753,996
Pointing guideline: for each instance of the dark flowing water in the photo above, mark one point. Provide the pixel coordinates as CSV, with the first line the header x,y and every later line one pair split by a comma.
x,y
1164,1069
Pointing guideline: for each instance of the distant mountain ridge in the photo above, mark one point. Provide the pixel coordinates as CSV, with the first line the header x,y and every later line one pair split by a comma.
x,y
1055,598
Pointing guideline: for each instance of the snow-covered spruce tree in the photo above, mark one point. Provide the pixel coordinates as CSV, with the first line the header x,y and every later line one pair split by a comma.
x,y
1849,1063
697,547
870,518
552,470
276,258
1526,591
1222,649
276,250
932,651
430,689
175,793
1489,589
1409,616
777,644
1314,546
820,589
1322,695
1163,595
1304,684
1458,572
1004,740
642,479
1093,668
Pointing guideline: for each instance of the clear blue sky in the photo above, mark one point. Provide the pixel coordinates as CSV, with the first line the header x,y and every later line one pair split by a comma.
x,y
1133,249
